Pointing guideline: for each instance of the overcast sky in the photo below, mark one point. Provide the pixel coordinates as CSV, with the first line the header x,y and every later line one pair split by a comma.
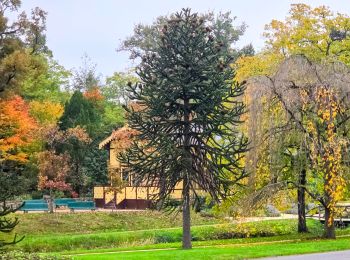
x,y
96,27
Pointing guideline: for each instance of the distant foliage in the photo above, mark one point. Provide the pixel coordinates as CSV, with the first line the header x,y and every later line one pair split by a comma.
x,y
46,112
56,164
80,111
53,171
22,39
85,77
115,90
314,32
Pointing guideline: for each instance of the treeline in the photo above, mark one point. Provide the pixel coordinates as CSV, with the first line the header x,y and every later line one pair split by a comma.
x,y
51,118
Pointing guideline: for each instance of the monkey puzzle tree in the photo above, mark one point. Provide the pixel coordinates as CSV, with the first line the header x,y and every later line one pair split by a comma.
x,y
188,112
11,185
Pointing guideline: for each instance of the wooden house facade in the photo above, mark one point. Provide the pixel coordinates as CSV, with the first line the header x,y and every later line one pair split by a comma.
x,y
130,196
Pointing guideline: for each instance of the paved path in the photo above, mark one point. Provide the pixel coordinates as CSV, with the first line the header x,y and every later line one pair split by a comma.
x,y
337,255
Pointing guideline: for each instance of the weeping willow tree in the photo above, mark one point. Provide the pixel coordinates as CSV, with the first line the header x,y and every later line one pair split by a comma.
x,y
188,112
315,99
276,156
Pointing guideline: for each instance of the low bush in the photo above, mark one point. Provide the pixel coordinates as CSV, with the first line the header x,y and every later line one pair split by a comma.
x,y
20,255
167,237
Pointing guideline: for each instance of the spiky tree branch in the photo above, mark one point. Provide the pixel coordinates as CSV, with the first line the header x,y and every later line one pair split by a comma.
x,y
188,110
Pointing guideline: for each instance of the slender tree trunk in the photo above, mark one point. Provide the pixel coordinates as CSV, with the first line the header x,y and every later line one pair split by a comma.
x,y
186,216
329,228
302,228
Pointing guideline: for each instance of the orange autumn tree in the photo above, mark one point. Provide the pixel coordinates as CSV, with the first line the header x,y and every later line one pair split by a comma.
x,y
16,128
93,94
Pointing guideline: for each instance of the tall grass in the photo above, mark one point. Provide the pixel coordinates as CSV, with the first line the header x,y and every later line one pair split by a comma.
x,y
59,243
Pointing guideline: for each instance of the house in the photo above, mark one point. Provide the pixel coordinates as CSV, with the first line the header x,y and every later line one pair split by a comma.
x,y
130,196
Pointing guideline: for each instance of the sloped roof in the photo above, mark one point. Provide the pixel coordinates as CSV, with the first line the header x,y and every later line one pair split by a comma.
x,y
123,136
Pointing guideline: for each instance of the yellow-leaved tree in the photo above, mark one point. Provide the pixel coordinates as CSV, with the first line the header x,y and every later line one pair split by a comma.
x,y
322,37
46,112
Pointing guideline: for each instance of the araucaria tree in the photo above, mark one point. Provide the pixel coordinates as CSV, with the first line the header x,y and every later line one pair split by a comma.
x,y
188,112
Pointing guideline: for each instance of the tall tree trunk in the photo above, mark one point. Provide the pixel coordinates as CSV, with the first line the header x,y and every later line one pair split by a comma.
x,y
329,228
186,216
302,228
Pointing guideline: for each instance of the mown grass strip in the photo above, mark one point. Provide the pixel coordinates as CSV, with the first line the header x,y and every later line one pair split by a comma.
x,y
231,252
59,243
92,222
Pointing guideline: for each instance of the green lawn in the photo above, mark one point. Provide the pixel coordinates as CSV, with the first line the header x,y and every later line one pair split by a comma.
x,y
127,239
92,222
233,251
80,233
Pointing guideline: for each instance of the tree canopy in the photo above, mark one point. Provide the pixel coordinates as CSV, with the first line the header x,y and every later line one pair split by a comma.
x,y
188,110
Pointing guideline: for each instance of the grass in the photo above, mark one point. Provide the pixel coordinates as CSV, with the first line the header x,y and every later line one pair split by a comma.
x,y
237,251
56,232
165,236
85,223
79,233
177,245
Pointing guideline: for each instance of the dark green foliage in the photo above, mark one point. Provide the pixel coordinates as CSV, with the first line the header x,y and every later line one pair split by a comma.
x,y
37,194
12,180
77,151
189,110
10,186
146,37
200,203
99,118
7,225
80,111
95,166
